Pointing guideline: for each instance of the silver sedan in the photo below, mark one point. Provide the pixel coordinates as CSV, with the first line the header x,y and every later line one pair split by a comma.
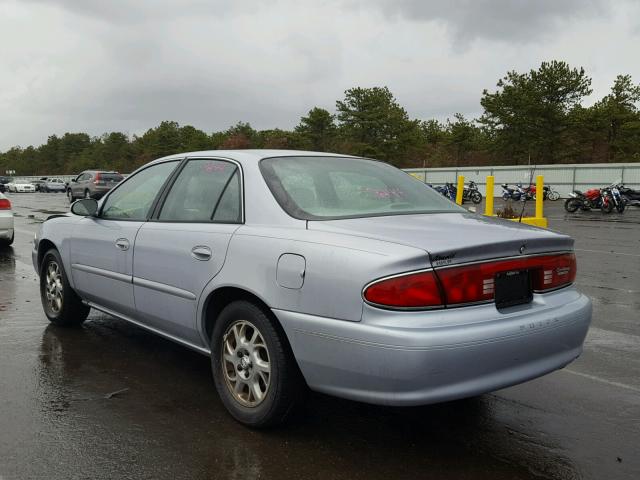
x,y
299,269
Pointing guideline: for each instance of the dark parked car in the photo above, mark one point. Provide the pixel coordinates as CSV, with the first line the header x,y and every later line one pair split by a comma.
x,y
4,181
39,184
93,184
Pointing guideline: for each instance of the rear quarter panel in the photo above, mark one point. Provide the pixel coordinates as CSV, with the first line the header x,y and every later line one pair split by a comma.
x,y
338,266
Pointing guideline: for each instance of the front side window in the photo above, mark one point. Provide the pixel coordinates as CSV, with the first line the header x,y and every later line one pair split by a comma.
x,y
205,191
324,188
132,200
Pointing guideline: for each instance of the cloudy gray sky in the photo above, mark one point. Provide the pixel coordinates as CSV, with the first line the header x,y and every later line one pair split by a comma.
x,y
97,66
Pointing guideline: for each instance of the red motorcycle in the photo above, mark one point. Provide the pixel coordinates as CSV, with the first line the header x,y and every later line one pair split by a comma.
x,y
549,193
592,198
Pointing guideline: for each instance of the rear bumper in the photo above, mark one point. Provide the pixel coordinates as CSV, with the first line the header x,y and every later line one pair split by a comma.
x,y
415,358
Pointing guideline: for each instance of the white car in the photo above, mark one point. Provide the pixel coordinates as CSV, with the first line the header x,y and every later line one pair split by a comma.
x,y
21,186
6,222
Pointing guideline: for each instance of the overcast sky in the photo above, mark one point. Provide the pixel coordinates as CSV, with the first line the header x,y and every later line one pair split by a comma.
x,y
105,65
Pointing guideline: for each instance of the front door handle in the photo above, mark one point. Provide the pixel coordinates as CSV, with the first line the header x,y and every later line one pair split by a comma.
x,y
122,244
201,252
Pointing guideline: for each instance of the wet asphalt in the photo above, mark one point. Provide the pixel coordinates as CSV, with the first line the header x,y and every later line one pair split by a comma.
x,y
109,400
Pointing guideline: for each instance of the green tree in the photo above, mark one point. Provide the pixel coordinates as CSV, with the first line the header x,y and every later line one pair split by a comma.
x,y
318,129
622,118
529,112
462,137
375,125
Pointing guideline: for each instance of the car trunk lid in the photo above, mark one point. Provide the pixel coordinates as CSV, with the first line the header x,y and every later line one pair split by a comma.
x,y
452,238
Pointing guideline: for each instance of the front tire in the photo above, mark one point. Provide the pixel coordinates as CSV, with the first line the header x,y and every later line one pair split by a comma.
x,y
606,207
60,303
476,197
254,371
572,204
553,195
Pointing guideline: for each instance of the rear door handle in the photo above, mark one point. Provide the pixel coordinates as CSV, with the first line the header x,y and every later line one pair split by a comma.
x,y
201,252
122,244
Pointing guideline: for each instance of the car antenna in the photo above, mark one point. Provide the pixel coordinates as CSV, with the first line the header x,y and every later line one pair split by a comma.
x,y
528,187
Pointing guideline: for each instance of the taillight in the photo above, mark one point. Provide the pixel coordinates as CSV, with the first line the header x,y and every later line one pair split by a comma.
x,y
414,290
97,181
555,271
5,204
472,283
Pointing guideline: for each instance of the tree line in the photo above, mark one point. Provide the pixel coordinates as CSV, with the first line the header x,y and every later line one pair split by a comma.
x,y
536,117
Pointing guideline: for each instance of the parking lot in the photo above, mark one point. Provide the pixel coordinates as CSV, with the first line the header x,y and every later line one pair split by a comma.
x,y
110,400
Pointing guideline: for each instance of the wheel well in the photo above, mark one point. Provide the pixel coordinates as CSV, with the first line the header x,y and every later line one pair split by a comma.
x,y
222,297
44,246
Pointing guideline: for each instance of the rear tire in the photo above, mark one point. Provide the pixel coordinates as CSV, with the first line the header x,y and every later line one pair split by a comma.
x,y
60,303
572,204
8,242
253,368
553,195
87,194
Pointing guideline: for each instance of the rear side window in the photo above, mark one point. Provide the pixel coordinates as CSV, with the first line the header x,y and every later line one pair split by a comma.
x,y
326,188
205,191
111,177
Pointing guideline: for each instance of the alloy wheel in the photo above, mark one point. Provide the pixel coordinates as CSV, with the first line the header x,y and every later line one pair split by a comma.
x,y
245,363
53,288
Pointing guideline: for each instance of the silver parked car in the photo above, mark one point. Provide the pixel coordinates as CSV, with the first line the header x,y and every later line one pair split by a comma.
x,y
53,185
297,268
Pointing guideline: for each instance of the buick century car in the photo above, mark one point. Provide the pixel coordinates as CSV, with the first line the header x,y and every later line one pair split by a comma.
x,y
299,269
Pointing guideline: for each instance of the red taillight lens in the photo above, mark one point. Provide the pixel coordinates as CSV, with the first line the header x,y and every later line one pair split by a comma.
x,y
96,180
414,290
469,283
475,283
555,271
5,204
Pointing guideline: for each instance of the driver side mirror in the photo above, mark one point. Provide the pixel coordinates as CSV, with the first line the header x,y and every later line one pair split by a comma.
x,y
87,207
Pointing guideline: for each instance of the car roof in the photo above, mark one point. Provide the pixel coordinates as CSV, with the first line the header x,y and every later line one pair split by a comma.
x,y
252,154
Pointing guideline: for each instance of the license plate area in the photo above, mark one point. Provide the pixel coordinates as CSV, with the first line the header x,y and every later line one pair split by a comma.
x,y
513,288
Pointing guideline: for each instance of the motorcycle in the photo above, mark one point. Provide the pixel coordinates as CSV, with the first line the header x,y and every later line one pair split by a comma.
x,y
591,199
615,200
450,191
471,193
629,196
516,193
548,193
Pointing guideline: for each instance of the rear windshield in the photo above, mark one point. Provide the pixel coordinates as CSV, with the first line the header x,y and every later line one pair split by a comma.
x,y
326,188
111,177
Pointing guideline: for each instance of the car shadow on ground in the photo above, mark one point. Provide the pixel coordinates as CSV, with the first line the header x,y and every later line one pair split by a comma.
x,y
110,374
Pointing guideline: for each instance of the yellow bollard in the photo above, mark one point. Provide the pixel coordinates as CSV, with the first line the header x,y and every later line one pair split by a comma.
x,y
460,189
488,207
539,196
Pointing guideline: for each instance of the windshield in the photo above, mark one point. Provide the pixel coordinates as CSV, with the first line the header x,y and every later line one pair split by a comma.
x,y
325,188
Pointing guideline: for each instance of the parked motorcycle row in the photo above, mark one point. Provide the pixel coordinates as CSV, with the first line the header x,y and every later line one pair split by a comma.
x,y
519,193
615,196
470,192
